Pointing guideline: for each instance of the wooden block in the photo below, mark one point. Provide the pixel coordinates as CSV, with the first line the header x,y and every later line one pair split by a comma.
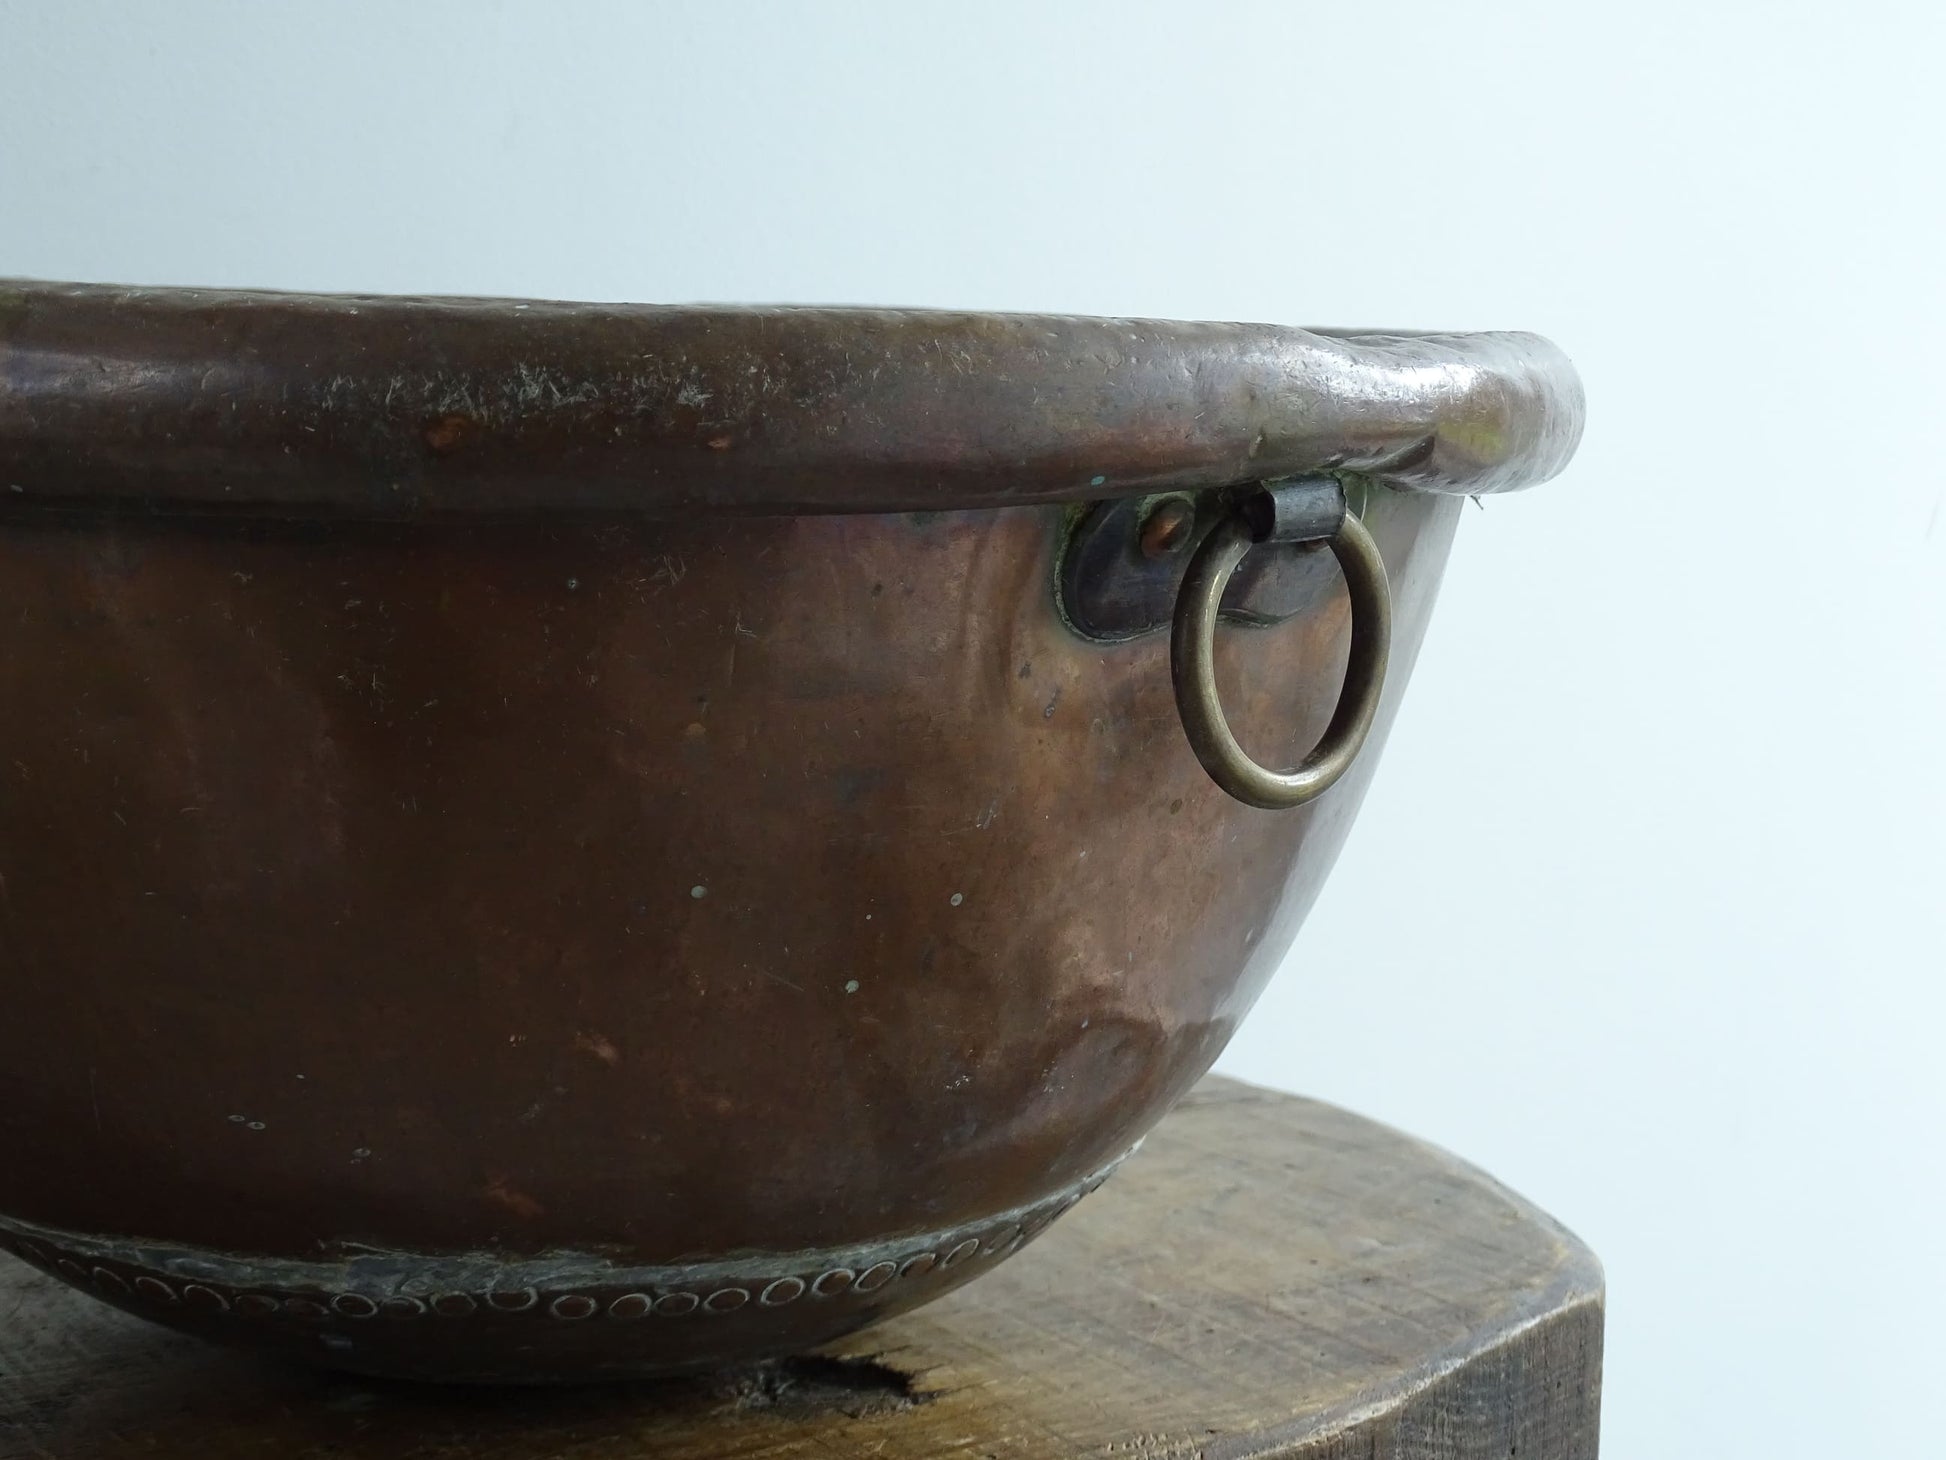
x,y
1267,1277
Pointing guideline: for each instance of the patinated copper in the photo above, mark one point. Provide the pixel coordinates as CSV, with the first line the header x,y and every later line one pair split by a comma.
x,y
540,841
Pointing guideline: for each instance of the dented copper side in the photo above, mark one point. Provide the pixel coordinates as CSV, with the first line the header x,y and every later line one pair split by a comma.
x,y
492,788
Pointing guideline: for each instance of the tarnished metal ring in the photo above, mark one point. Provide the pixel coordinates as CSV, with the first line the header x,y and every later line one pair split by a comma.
x,y
1192,664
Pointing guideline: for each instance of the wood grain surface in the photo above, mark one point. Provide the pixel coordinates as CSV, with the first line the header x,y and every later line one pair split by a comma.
x,y
1267,1277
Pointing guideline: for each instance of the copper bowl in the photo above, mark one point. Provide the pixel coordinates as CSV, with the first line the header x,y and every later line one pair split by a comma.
x,y
545,841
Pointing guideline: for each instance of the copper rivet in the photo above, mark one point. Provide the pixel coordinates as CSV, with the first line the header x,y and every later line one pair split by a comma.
x,y
1166,530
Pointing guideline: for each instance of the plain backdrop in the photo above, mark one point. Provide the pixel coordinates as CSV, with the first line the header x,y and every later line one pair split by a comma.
x,y
1647,910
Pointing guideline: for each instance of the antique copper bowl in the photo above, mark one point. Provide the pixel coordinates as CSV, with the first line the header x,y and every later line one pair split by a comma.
x,y
550,840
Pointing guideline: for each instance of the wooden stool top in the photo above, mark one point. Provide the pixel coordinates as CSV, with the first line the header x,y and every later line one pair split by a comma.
x,y
1267,1277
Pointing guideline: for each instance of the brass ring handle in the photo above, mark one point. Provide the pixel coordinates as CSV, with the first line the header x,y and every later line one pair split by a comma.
x,y
1192,664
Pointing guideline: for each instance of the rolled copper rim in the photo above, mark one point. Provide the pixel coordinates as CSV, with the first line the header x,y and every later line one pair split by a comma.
x,y
292,405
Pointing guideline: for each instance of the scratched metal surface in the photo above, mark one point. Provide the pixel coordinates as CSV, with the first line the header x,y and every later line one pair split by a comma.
x,y
659,892
1268,1277
552,877
222,400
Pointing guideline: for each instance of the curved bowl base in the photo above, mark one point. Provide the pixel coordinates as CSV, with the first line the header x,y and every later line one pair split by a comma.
x,y
562,1317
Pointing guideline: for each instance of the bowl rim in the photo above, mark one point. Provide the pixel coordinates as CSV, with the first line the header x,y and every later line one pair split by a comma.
x,y
299,405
